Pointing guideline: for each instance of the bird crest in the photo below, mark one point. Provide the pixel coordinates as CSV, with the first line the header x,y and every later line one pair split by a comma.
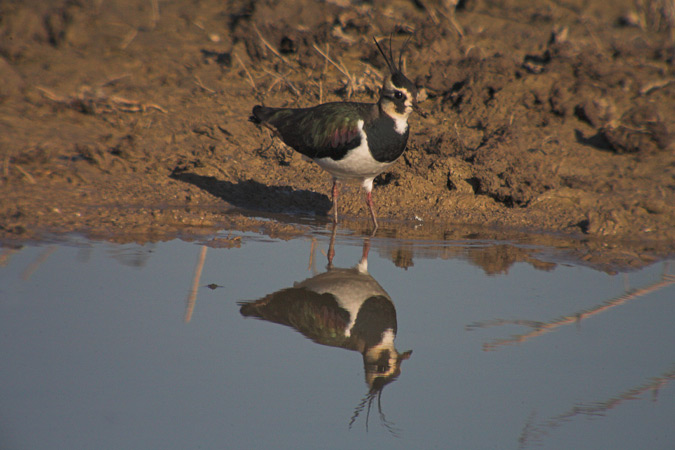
x,y
390,59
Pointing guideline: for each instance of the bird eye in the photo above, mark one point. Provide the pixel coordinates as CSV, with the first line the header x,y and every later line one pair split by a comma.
x,y
398,94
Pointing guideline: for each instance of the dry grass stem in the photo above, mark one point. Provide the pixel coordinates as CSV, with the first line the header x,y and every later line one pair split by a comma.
x,y
250,78
93,101
114,80
28,176
351,81
154,13
130,36
339,67
272,49
199,83
647,88
278,76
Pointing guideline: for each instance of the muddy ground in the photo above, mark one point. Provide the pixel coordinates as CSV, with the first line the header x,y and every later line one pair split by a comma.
x,y
127,120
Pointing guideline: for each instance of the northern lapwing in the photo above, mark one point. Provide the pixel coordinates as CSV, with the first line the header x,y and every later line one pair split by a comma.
x,y
345,308
354,142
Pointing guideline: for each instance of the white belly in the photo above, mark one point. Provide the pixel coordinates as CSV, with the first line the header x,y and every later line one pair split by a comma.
x,y
358,165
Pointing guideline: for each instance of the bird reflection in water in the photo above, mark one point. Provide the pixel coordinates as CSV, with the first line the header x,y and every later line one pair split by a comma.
x,y
346,308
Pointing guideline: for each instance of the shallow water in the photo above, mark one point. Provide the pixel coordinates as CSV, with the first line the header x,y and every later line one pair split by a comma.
x,y
130,346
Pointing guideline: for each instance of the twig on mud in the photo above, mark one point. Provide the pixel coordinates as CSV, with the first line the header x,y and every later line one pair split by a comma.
x,y
92,101
131,35
375,72
456,25
430,11
199,83
477,48
339,67
351,81
113,80
28,176
51,96
274,83
134,106
449,15
278,76
269,46
154,14
647,88
250,78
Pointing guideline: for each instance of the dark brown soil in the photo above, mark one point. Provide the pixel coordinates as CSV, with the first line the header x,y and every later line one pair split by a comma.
x,y
129,118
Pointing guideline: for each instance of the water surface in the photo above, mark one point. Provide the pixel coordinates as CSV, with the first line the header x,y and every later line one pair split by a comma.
x,y
256,343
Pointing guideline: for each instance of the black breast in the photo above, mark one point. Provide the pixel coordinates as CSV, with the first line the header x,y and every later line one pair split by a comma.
x,y
376,315
385,143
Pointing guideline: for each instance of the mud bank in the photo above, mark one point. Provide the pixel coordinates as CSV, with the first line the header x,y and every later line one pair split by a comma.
x,y
130,118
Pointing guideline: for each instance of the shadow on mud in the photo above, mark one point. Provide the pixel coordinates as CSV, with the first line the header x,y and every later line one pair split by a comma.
x,y
250,194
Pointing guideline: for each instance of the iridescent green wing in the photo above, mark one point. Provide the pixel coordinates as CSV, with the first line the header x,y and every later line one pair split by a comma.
x,y
317,316
327,130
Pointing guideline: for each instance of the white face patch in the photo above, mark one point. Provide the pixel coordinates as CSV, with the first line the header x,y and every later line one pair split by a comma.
x,y
388,337
386,343
400,120
389,108
357,166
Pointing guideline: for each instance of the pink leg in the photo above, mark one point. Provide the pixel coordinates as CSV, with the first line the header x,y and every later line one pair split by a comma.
x,y
366,249
331,246
335,197
369,202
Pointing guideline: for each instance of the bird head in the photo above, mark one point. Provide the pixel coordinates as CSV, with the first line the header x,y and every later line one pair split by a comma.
x,y
398,97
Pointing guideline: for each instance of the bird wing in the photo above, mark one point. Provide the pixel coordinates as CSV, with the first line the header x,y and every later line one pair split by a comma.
x,y
326,130
316,316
